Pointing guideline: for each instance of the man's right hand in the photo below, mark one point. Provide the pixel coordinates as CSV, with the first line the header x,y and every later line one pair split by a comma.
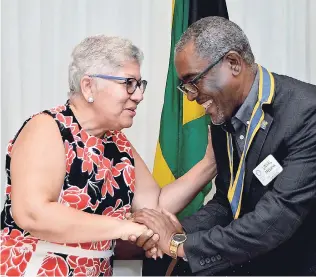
x,y
148,241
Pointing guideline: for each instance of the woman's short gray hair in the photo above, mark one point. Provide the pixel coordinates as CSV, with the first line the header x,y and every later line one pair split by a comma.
x,y
214,36
100,54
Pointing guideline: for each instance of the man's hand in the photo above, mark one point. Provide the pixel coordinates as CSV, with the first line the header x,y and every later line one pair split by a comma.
x,y
164,224
152,251
147,241
174,220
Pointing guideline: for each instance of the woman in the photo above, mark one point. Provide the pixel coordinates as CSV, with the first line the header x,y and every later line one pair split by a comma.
x,y
73,175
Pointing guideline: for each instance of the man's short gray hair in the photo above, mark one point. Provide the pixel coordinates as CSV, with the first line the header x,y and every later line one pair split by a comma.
x,y
100,54
214,36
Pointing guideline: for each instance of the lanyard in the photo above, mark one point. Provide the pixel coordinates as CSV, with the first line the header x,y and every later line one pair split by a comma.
x,y
265,96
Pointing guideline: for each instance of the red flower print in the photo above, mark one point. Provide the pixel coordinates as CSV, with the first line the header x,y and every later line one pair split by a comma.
x,y
128,172
96,245
70,155
77,198
4,233
15,251
67,122
105,173
102,245
17,234
58,109
53,265
122,143
109,183
118,211
10,146
8,190
91,153
106,268
84,266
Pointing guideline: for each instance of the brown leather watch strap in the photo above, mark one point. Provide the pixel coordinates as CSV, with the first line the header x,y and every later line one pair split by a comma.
x,y
171,267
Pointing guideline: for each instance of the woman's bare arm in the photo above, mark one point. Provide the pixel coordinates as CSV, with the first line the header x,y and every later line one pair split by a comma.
x,y
37,175
176,195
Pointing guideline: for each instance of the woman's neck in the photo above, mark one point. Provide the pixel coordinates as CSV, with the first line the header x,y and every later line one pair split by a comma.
x,y
86,116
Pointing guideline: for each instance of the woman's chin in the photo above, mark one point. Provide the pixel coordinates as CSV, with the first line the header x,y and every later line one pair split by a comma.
x,y
127,123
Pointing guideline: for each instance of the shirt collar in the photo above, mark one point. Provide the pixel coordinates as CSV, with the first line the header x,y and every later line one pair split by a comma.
x,y
244,112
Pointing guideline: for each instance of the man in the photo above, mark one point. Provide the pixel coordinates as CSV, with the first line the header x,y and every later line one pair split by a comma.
x,y
261,220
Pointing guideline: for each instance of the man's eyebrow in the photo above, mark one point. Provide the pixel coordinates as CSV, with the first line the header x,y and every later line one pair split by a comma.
x,y
189,76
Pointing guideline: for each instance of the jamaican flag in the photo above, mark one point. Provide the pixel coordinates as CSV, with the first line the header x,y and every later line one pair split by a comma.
x,y
183,126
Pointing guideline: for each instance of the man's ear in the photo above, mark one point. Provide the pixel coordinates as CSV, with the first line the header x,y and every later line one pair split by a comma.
x,y
235,62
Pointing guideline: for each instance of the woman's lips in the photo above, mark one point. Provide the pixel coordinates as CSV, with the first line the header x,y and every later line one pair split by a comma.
x,y
131,112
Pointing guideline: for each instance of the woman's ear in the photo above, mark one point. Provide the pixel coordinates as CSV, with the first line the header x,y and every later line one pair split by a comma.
x,y
86,84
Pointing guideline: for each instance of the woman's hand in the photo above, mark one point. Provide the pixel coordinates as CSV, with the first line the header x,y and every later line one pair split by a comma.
x,y
130,228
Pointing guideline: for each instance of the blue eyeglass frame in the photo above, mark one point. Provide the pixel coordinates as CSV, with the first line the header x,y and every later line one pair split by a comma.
x,y
139,83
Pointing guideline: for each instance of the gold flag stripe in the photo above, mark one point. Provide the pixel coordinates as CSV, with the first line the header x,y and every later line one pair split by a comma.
x,y
191,110
162,173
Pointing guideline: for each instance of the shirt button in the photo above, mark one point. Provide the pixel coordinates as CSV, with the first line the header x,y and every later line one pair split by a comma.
x,y
207,260
241,137
218,257
213,259
202,262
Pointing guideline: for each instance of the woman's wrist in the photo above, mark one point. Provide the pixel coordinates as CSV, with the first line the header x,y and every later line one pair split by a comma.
x,y
209,166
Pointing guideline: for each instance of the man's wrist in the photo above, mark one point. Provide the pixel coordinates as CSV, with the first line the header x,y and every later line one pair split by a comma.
x,y
176,245
180,252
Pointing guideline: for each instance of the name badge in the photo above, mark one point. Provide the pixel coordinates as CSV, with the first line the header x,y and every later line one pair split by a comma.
x,y
267,170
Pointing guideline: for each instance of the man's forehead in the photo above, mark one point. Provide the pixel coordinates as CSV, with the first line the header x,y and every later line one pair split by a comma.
x,y
188,64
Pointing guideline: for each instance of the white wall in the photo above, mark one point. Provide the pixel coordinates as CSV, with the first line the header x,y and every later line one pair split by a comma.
x,y
37,40
282,34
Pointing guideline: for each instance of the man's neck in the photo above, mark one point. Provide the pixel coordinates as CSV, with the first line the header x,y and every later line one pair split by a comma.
x,y
247,83
245,87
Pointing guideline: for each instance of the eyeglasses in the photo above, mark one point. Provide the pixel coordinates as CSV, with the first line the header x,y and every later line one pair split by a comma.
x,y
190,86
131,83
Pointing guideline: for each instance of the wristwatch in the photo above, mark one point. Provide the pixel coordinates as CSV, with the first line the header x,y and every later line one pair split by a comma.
x,y
176,240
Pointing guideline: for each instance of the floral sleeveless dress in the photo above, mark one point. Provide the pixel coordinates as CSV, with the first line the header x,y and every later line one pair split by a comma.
x,y
99,179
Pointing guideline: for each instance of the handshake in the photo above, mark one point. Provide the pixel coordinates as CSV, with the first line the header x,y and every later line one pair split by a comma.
x,y
154,231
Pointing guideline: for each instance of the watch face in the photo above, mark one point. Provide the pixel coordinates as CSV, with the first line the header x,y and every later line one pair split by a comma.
x,y
179,237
